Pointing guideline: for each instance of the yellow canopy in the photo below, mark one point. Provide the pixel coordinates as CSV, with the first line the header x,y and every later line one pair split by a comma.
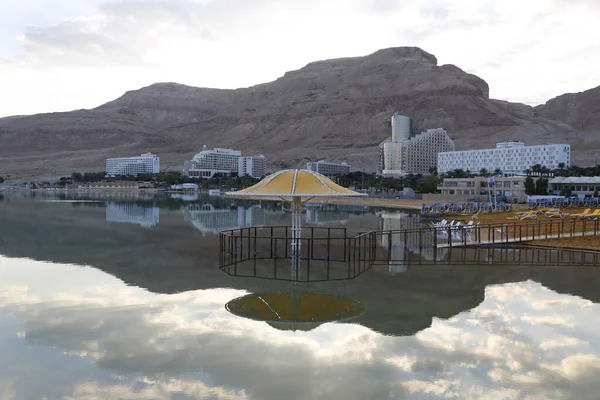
x,y
291,311
296,183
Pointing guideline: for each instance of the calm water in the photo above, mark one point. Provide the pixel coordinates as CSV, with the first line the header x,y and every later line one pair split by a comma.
x,y
121,298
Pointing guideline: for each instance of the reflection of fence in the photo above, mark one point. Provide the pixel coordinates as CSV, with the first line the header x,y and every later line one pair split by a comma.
x,y
493,255
500,233
325,253
329,254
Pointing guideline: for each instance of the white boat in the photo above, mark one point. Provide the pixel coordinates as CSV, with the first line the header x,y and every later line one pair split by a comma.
x,y
214,192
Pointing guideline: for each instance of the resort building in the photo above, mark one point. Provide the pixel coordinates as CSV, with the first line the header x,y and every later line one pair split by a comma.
x,y
479,188
254,166
207,163
580,186
512,158
407,153
146,163
329,169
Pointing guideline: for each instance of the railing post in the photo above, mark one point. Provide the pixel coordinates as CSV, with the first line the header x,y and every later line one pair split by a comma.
x,y
328,242
345,234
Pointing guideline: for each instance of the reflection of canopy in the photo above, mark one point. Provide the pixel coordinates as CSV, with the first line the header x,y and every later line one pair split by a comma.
x,y
296,183
295,311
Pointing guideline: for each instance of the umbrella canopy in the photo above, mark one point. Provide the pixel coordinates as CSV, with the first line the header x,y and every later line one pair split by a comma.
x,y
295,311
296,183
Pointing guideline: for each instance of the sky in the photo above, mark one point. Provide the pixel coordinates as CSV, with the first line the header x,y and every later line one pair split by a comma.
x,y
59,55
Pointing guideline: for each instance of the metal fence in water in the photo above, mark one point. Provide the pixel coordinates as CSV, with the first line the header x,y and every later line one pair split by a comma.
x,y
329,254
325,253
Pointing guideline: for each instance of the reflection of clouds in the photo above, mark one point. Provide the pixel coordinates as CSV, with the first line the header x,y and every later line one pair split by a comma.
x,y
151,390
6,390
188,345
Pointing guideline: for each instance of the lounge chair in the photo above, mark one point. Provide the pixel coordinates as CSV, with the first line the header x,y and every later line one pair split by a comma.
x,y
528,215
584,214
594,215
556,213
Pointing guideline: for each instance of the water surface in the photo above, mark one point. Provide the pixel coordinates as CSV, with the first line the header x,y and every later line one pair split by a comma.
x,y
121,298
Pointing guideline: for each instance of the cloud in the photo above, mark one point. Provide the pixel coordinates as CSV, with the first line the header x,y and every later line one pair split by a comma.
x,y
93,55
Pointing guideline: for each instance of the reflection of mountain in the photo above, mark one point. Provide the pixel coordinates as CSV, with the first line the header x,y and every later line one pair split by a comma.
x,y
131,213
174,257
206,218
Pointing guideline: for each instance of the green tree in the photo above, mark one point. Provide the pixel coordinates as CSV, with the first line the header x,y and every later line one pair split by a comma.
x,y
429,184
567,192
144,177
529,186
77,177
484,172
497,172
541,186
170,178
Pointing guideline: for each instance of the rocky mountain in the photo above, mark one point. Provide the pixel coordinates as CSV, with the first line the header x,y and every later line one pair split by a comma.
x,y
334,109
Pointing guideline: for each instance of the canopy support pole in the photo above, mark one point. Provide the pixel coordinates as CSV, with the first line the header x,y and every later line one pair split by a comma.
x,y
296,235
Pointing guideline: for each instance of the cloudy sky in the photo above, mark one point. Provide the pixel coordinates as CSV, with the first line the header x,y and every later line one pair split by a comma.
x,y
70,54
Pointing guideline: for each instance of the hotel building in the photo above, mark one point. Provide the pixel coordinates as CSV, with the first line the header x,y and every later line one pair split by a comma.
x,y
207,163
254,166
512,158
146,163
580,186
329,169
404,153
478,188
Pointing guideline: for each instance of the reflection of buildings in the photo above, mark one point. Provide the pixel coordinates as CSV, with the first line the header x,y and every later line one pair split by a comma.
x,y
131,213
207,218
319,213
417,244
317,217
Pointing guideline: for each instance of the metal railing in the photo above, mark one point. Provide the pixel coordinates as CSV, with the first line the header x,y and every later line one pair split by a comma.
x,y
329,254
322,250
498,233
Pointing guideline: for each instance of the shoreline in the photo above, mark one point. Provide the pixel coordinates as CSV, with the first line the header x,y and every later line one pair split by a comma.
x,y
354,201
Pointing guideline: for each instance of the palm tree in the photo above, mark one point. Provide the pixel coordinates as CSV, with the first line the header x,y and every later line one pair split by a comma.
x,y
498,172
484,172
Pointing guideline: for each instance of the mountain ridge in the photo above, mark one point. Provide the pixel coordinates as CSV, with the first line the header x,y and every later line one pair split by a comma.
x,y
329,109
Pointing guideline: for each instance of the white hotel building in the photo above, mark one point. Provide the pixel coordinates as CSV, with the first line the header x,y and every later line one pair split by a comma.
x,y
254,166
404,153
512,158
329,169
147,163
207,163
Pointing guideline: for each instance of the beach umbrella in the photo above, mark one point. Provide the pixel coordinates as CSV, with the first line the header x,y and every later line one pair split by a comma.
x,y
296,186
